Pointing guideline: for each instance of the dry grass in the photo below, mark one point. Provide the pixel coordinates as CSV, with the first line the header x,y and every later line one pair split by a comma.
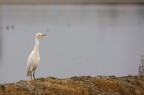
x,y
86,85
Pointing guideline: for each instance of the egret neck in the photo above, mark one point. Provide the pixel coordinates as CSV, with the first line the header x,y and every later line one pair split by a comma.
x,y
36,47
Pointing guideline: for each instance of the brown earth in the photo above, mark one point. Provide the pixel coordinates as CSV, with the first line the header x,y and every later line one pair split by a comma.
x,y
82,85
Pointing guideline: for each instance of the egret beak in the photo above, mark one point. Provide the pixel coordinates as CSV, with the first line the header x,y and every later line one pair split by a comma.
x,y
43,34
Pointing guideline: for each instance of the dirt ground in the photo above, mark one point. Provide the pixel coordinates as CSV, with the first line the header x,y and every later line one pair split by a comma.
x,y
77,85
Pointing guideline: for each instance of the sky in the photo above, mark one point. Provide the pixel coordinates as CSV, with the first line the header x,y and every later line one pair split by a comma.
x,y
82,40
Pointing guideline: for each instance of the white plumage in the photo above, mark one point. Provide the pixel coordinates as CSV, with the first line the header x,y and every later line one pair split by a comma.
x,y
34,57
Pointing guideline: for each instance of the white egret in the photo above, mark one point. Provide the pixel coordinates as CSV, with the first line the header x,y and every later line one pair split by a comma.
x,y
34,57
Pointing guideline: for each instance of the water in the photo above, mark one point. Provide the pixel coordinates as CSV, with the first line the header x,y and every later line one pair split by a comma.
x,y
82,40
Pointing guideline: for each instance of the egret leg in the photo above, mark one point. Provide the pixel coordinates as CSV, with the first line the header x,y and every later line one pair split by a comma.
x,y
34,75
31,76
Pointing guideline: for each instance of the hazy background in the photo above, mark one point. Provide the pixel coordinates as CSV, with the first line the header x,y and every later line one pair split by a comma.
x,y
82,40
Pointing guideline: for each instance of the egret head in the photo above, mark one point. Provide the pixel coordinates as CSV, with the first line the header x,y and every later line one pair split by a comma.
x,y
39,35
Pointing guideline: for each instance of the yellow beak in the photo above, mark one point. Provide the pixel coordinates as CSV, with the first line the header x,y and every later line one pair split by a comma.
x,y
43,34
